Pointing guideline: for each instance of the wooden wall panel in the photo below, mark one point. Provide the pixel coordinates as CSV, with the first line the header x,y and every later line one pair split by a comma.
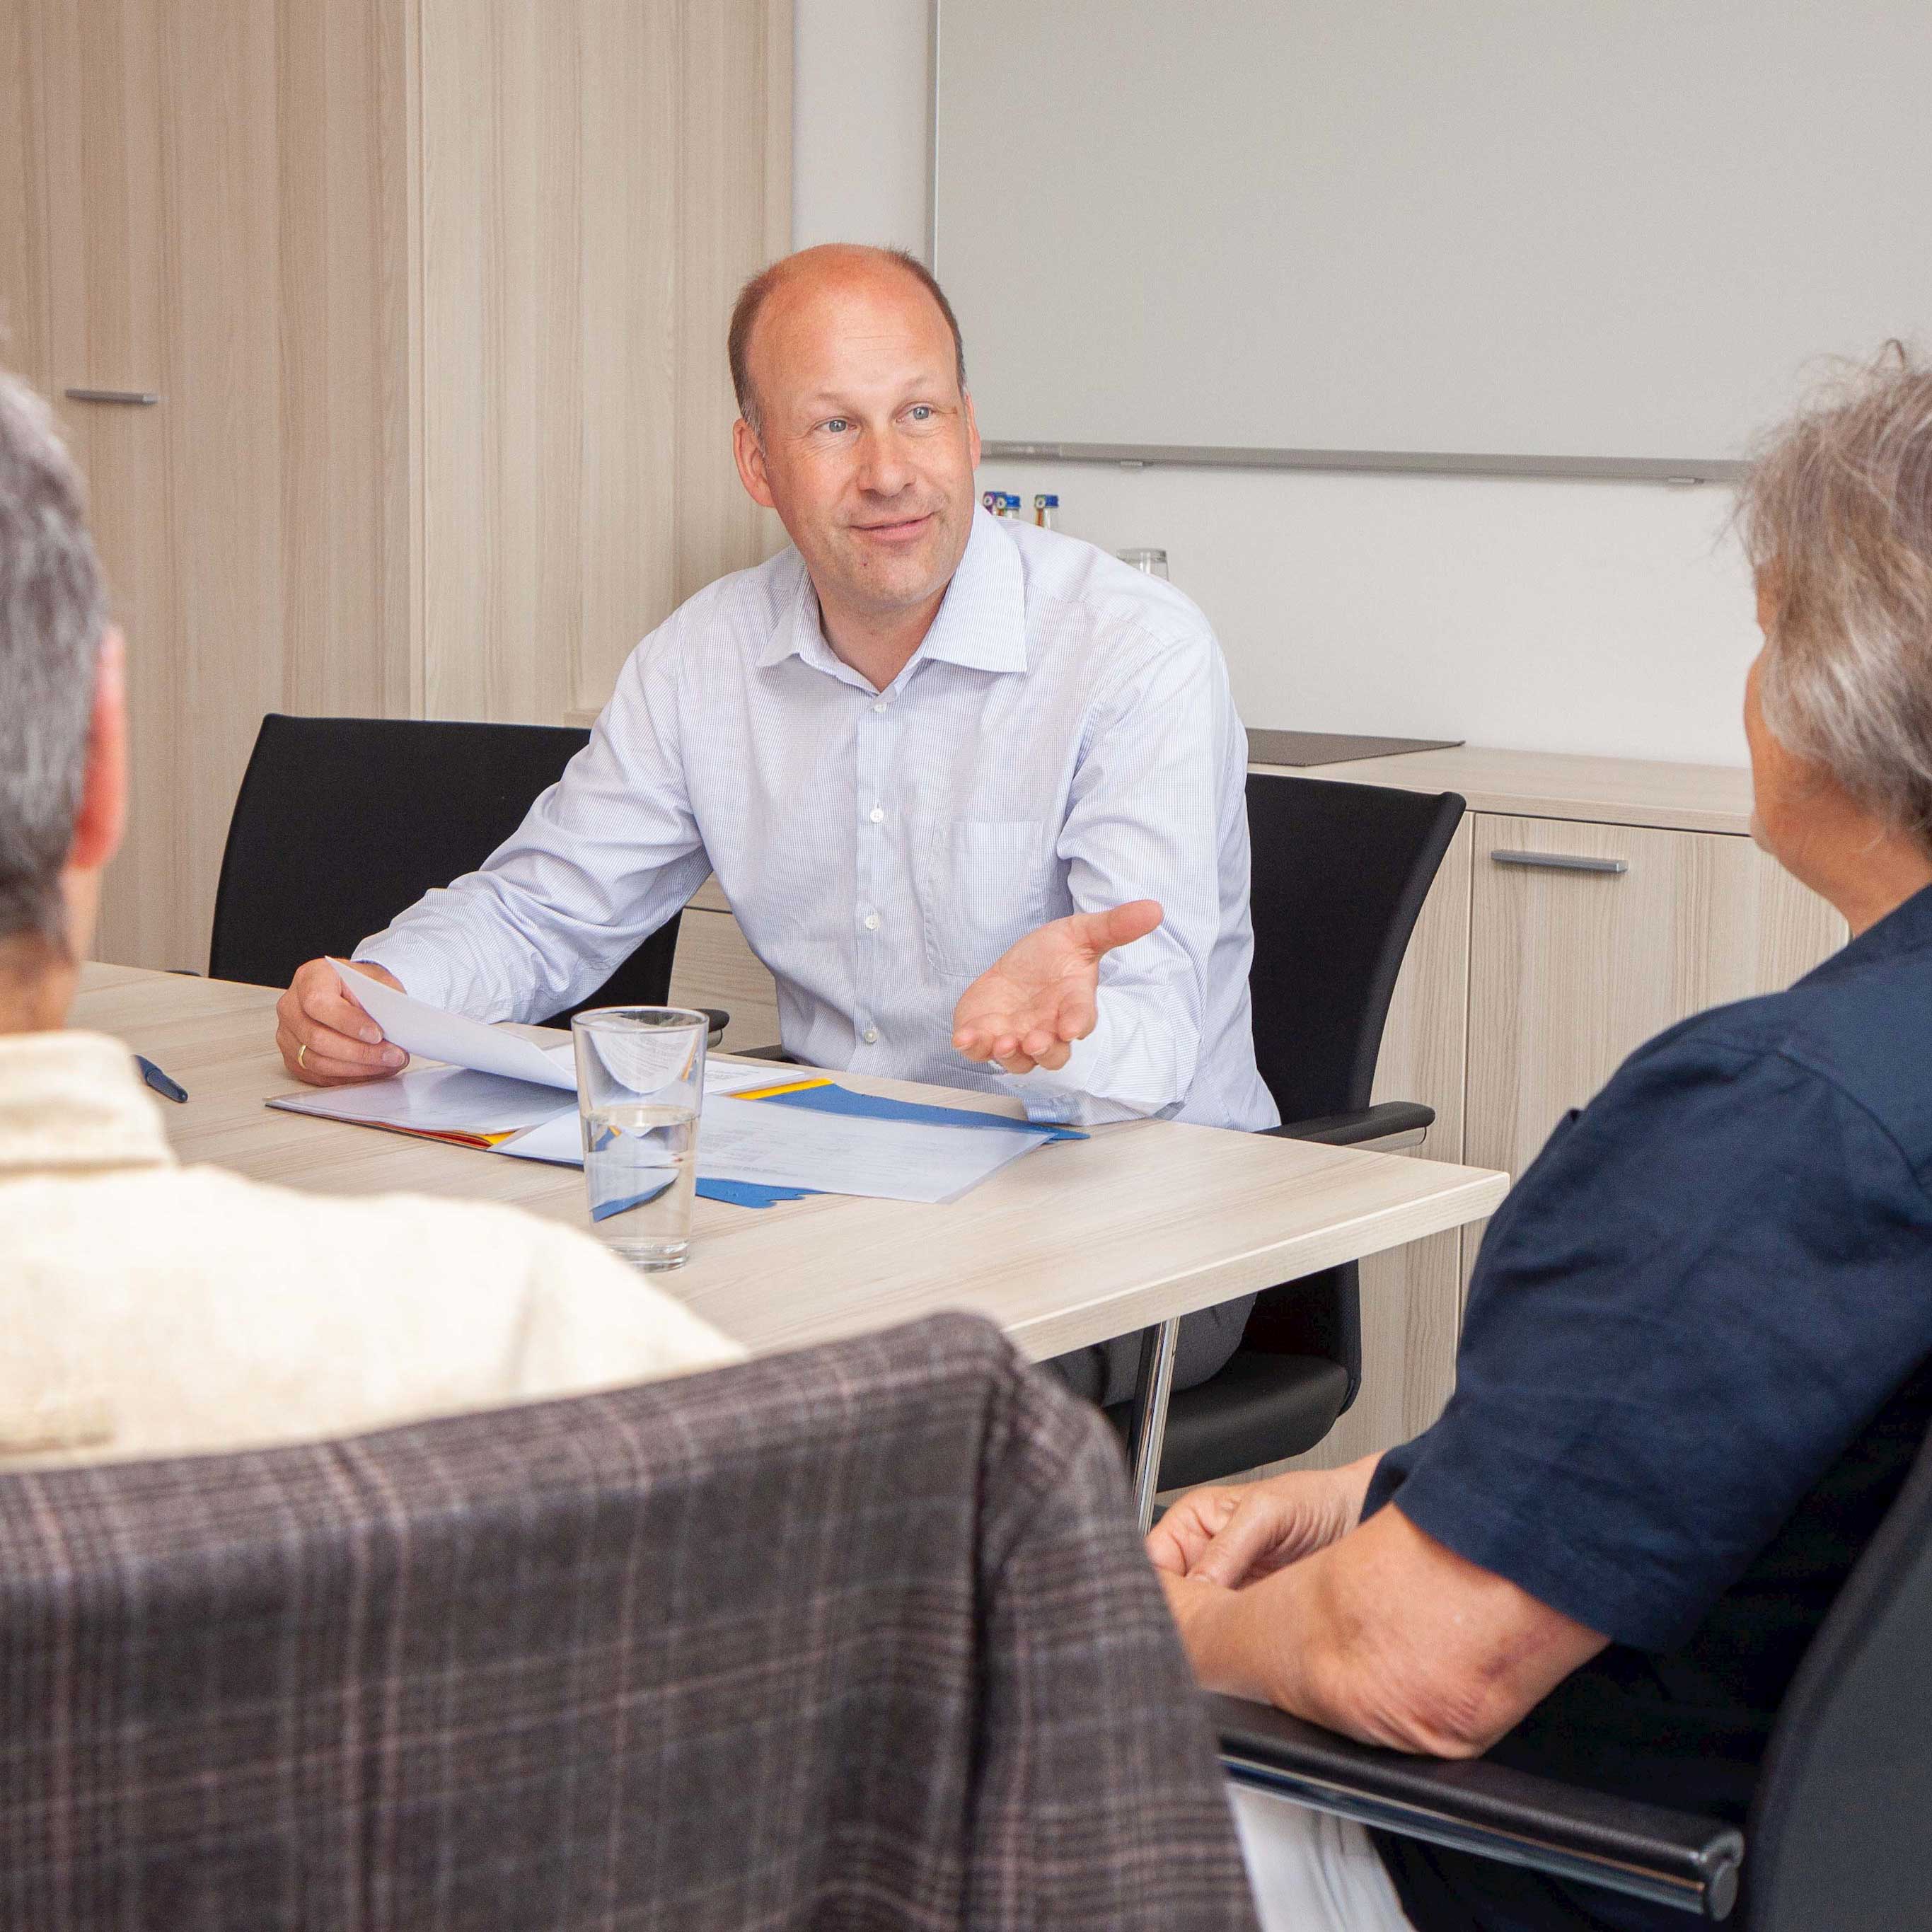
x,y
25,297
629,489
224,185
347,461
598,180
223,380
101,158
419,282
734,215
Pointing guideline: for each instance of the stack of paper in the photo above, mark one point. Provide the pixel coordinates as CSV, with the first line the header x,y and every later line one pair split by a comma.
x,y
502,1093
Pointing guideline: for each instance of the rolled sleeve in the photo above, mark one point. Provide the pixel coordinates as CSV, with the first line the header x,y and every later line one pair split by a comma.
x,y
1143,824
602,860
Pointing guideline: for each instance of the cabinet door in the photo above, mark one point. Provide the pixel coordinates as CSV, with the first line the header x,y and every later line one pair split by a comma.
x,y
97,213
217,207
1573,966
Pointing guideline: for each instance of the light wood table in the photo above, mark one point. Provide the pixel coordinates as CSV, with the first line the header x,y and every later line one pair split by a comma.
x,y
1079,1243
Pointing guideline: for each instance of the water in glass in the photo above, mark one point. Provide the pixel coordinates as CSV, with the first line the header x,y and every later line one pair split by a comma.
x,y
640,1161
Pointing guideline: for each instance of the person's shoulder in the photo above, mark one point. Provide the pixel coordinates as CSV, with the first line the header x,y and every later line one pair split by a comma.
x,y
1077,592
343,1232
738,611
1859,1029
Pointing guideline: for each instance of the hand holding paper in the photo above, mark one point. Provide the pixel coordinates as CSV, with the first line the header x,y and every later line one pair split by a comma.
x,y
436,1035
326,1034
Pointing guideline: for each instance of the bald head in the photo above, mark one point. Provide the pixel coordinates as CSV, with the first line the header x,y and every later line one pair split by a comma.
x,y
833,270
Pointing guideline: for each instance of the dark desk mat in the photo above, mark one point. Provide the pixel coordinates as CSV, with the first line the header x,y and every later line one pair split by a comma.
x,y
1332,748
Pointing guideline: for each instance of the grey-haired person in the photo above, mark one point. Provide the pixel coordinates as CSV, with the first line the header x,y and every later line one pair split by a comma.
x,y
151,1308
1697,1363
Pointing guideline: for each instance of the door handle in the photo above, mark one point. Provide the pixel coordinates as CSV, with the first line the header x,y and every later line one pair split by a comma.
x,y
1561,862
141,398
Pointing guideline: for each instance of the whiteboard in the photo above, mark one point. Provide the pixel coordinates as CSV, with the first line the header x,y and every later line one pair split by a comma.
x,y
1613,236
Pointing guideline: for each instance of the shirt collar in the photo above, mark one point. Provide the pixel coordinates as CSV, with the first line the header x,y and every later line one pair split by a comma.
x,y
981,623
72,1102
1907,928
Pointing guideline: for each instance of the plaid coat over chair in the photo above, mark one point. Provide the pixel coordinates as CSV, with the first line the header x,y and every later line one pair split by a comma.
x,y
859,1637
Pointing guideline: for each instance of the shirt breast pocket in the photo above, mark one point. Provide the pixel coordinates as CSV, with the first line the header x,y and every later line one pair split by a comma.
x,y
983,885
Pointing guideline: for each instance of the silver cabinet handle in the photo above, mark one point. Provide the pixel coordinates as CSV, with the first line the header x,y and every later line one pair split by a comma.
x,y
1561,862
142,397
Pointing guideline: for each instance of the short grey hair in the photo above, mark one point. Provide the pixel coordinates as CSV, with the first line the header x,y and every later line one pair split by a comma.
x,y
53,609
1837,519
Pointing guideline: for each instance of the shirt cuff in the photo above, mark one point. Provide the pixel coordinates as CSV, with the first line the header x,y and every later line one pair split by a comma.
x,y
1064,1096
423,971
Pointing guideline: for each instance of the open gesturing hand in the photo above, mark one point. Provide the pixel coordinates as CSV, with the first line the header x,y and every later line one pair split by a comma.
x,y
1039,997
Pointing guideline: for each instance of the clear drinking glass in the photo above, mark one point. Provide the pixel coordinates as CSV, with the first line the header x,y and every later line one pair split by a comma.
x,y
639,1090
1154,562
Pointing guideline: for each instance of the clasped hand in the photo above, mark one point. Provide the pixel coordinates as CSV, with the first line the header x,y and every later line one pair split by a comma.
x,y
1041,994
1216,1542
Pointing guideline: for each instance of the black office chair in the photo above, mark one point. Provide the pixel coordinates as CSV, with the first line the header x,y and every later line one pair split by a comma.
x,y
342,822
1840,1823
1340,874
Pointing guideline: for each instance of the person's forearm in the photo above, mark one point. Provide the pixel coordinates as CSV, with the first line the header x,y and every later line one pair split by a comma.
x,y
1290,1641
1386,1636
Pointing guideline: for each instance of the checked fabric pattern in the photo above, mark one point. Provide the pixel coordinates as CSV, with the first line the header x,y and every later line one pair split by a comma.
x,y
859,1637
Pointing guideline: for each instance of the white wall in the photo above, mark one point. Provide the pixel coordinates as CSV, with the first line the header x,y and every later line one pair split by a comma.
x,y
1604,617
861,123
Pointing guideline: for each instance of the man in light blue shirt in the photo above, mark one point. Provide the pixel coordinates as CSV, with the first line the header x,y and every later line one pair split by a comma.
x,y
974,791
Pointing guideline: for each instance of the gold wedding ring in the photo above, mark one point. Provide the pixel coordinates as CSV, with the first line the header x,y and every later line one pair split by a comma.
x,y
301,1055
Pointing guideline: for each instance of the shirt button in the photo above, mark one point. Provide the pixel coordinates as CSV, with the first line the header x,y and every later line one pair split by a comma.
x,y
871,922
880,706
871,1035
878,813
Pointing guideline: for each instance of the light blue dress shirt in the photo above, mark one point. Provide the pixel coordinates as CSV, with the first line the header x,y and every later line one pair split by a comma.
x,y
1063,739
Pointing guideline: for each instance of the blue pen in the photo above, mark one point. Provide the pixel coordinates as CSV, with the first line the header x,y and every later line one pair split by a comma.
x,y
168,1090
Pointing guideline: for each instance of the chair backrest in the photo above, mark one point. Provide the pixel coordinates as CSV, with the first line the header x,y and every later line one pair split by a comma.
x,y
1842,1818
863,1635
1340,874
341,823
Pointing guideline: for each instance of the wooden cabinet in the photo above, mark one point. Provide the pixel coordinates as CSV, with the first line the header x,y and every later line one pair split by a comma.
x,y
207,192
432,295
1562,970
1574,965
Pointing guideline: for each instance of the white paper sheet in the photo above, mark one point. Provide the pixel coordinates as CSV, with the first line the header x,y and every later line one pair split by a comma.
x,y
431,1034
436,1035
560,1138
459,1100
434,1100
831,1153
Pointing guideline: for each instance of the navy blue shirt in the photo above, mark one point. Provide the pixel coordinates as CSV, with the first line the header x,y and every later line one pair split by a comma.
x,y
1692,1378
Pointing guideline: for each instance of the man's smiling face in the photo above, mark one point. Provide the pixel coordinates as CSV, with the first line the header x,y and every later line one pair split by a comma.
x,y
865,445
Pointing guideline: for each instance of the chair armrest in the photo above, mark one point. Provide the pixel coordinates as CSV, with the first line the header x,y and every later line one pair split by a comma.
x,y
1371,1124
1670,1857
777,1053
719,1020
